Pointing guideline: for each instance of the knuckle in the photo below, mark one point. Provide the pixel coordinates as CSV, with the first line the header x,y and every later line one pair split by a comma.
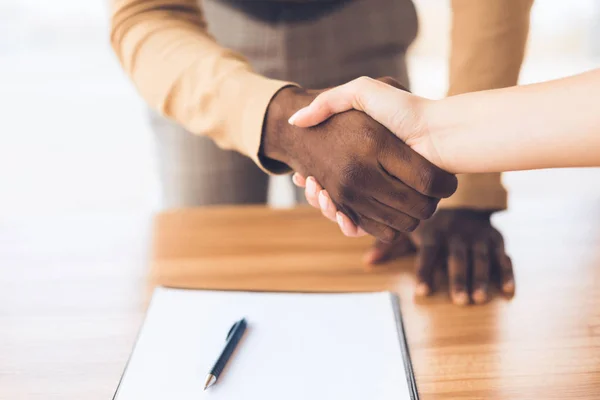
x,y
426,178
353,177
363,80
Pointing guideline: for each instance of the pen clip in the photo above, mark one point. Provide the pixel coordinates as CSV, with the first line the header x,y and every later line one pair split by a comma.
x,y
232,329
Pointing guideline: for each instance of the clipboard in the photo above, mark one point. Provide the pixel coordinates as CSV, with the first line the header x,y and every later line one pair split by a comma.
x,y
171,334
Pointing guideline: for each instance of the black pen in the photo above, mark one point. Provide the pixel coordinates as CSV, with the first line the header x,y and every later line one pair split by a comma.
x,y
233,338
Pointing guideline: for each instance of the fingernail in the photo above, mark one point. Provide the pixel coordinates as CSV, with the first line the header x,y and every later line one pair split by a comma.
x,y
311,185
323,200
480,296
422,289
295,179
340,221
294,117
460,298
509,287
371,257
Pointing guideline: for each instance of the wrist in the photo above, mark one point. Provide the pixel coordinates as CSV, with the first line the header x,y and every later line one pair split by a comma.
x,y
278,136
438,132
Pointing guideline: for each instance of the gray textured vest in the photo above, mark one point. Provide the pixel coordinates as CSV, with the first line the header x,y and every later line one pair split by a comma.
x,y
317,43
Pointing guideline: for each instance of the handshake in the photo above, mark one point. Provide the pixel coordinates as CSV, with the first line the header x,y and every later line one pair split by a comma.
x,y
374,181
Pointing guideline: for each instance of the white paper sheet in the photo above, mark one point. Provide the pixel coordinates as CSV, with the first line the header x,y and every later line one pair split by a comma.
x,y
297,346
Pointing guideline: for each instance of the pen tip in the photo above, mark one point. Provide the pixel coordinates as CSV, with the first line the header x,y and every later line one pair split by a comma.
x,y
210,380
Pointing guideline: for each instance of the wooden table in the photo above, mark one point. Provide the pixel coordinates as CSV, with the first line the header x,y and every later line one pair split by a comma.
x,y
545,343
73,291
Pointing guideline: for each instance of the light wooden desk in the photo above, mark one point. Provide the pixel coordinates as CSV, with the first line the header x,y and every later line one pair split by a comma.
x,y
545,343
73,291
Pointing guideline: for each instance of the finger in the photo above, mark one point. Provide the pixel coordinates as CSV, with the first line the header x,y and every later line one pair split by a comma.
x,y
381,231
504,267
379,100
311,191
507,275
328,208
400,197
399,161
457,270
388,216
346,225
298,180
428,257
481,271
382,252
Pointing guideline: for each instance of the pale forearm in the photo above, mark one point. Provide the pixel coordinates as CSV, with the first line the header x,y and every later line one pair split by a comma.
x,y
487,47
551,124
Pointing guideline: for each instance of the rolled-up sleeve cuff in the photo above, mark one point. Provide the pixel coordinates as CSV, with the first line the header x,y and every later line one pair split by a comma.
x,y
478,191
258,92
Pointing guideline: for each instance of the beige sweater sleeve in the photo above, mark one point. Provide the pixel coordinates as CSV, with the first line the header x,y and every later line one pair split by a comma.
x,y
488,45
181,71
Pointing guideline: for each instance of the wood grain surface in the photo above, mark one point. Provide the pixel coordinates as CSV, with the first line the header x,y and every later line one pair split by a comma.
x,y
544,343
73,291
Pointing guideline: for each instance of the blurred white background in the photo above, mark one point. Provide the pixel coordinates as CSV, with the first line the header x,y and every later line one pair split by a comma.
x,y
73,133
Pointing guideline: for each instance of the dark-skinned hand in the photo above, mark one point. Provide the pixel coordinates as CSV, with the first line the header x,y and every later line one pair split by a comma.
x,y
462,242
375,179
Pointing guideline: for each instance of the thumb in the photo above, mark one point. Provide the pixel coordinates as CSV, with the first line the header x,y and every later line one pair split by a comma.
x,y
325,105
386,104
